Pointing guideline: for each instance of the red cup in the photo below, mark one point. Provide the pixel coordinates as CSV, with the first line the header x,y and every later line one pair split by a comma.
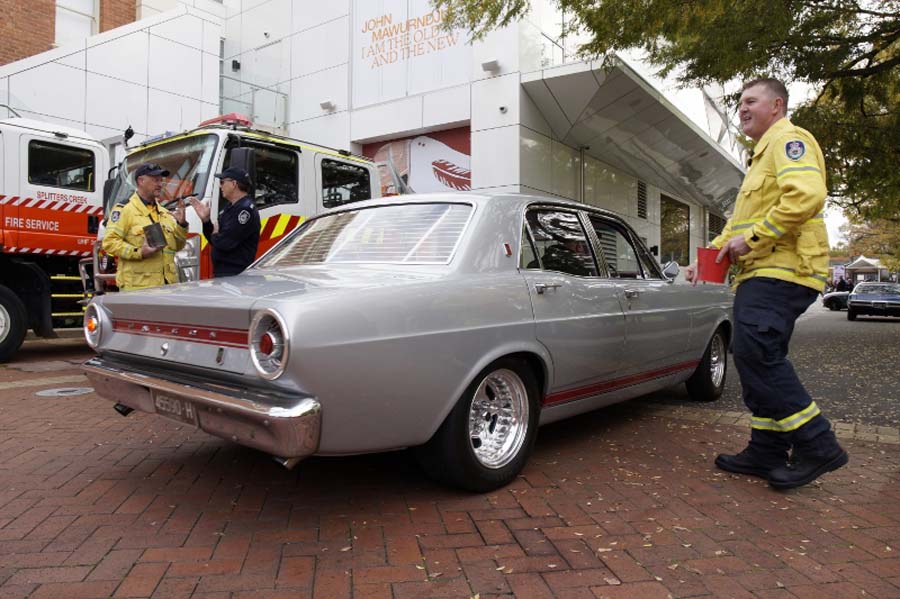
x,y
707,269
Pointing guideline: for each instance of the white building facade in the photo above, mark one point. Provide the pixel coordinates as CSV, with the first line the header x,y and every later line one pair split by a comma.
x,y
514,112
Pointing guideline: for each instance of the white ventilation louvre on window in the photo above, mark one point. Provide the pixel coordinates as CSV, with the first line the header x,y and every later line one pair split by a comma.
x,y
642,199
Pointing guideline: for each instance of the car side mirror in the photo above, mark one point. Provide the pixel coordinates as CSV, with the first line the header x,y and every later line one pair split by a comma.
x,y
671,270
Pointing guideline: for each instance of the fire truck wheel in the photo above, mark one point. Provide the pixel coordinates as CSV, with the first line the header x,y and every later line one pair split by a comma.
x,y
12,323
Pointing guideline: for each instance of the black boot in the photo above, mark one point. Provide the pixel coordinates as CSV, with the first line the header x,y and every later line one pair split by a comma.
x,y
803,468
747,462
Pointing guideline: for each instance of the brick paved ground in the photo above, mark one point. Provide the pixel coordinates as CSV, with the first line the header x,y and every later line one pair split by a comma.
x,y
621,503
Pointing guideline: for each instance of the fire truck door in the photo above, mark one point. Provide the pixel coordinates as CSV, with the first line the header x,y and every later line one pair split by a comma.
x,y
277,194
60,188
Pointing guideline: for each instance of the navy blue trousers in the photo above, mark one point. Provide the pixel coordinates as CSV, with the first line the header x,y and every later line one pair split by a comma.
x,y
784,414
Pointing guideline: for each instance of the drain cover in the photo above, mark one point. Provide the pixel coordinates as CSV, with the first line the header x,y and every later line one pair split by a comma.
x,y
65,391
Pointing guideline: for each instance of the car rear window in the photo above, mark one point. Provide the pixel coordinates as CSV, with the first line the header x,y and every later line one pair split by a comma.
x,y
400,234
886,288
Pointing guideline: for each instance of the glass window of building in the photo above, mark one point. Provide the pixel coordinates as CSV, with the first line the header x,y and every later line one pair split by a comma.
x,y
674,231
75,20
716,225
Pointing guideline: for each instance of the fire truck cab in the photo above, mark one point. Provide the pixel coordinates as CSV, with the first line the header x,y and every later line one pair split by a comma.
x,y
292,180
51,189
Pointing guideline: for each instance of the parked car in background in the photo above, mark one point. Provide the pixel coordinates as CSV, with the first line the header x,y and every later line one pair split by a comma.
x,y
836,300
874,299
452,323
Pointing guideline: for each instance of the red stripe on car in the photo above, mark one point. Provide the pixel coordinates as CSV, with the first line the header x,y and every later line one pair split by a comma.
x,y
614,384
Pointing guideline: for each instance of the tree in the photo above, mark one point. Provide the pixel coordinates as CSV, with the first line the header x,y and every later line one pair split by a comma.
x,y
848,50
876,239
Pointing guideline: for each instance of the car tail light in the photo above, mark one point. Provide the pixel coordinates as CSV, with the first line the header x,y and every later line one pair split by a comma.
x,y
269,344
93,326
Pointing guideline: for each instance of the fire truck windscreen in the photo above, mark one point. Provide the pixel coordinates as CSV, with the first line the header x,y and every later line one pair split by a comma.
x,y
188,159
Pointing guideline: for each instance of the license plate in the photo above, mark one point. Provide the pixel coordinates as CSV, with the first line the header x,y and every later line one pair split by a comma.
x,y
879,305
175,408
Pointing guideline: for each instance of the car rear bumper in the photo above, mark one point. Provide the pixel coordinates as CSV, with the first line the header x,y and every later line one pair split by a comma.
x,y
875,308
290,429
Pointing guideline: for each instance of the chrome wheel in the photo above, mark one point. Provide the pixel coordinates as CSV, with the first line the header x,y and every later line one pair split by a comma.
x,y
717,357
4,323
498,418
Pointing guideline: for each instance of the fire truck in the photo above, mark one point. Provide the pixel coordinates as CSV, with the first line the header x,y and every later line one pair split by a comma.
x,y
292,179
51,192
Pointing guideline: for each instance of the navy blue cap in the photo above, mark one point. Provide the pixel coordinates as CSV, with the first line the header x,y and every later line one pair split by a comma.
x,y
238,174
154,170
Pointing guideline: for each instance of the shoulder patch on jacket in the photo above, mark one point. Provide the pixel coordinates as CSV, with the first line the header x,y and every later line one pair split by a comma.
x,y
794,149
243,217
114,217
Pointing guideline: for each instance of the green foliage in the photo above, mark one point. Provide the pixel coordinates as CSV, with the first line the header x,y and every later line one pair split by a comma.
x,y
848,50
875,239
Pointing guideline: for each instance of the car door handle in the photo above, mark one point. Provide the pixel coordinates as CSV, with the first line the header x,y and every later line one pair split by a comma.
x,y
542,287
632,293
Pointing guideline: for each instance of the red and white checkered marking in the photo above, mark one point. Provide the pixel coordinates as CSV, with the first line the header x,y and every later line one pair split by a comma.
x,y
51,205
17,250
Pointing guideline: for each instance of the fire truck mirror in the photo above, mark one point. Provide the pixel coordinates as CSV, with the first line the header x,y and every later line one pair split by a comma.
x,y
244,158
107,192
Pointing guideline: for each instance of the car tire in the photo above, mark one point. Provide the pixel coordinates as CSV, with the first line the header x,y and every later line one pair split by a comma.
x,y
833,306
851,315
708,380
12,323
486,439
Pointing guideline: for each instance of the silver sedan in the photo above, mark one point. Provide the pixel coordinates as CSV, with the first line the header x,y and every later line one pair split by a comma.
x,y
455,324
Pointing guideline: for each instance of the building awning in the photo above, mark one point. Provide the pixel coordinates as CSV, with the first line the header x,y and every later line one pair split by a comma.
x,y
620,119
862,262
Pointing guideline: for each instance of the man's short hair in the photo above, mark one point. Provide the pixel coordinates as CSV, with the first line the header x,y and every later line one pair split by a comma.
x,y
773,85
245,187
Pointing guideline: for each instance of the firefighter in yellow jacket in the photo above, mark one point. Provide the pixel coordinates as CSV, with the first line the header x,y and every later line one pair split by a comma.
x,y
777,238
142,263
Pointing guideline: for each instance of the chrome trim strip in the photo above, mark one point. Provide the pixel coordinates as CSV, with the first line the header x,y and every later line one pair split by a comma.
x,y
288,431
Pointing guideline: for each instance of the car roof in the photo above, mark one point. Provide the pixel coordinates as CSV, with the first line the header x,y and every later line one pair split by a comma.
x,y
865,284
515,200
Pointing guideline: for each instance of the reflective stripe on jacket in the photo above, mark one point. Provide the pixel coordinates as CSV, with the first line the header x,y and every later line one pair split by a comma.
x,y
125,236
779,210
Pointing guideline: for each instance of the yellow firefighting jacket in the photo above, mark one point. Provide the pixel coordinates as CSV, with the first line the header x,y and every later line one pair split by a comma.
x,y
125,236
779,210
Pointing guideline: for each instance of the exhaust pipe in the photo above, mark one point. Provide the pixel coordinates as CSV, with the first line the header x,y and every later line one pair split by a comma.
x,y
287,463
122,409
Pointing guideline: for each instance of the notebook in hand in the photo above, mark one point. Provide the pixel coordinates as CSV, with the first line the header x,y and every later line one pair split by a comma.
x,y
153,233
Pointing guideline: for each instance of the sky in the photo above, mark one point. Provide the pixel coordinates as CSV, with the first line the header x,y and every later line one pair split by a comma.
x,y
691,103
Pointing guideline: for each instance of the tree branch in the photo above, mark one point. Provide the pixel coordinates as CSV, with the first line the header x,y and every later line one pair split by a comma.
x,y
866,72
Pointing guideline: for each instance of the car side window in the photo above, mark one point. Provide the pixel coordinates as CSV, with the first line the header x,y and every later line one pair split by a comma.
x,y
649,264
527,254
560,243
621,257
